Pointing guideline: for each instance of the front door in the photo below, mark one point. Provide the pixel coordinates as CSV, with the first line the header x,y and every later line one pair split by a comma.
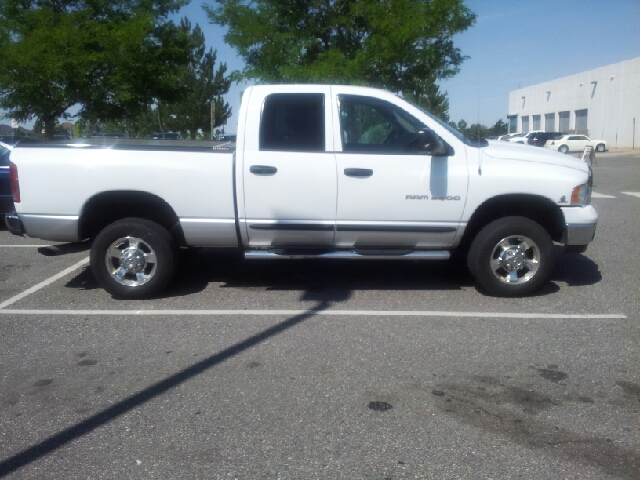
x,y
390,194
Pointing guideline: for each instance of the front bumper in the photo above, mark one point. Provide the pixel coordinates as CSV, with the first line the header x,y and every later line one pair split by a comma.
x,y
14,224
580,225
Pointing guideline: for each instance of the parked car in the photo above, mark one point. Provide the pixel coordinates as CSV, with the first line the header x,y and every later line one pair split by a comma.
x,y
166,136
228,138
13,141
522,137
6,198
575,143
540,138
110,135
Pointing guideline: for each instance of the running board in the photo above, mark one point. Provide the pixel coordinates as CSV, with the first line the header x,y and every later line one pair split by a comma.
x,y
380,255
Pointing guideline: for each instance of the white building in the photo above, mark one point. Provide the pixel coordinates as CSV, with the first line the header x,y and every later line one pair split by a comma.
x,y
602,103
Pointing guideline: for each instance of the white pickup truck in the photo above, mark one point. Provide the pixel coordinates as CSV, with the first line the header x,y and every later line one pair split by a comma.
x,y
317,171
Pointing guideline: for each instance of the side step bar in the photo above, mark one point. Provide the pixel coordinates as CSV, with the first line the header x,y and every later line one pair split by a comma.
x,y
379,255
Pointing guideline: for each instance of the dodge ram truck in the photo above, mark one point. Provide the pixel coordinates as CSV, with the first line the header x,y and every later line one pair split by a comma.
x,y
317,171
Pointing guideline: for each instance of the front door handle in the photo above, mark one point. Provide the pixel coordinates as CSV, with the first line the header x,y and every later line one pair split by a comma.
x,y
262,170
358,172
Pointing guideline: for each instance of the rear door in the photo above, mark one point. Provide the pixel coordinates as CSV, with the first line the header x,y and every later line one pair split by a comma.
x,y
288,169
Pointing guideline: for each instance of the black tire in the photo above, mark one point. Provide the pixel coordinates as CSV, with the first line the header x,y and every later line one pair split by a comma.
x,y
133,258
519,270
600,147
563,149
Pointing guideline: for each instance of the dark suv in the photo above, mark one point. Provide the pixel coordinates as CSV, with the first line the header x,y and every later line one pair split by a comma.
x,y
538,139
6,199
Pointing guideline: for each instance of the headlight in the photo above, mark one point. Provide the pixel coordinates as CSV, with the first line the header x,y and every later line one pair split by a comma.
x,y
581,195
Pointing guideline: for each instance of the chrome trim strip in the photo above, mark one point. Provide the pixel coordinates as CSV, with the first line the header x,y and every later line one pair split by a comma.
x,y
57,228
209,232
307,227
395,228
578,234
291,225
426,255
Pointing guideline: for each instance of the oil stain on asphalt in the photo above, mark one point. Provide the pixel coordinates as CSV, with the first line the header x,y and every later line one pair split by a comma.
x,y
511,410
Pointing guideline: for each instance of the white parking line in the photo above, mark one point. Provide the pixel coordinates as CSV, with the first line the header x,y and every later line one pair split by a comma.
x,y
600,195
635,194
43,284
349,313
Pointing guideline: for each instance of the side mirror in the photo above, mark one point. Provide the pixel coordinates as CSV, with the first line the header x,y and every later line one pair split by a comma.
x,y
432,144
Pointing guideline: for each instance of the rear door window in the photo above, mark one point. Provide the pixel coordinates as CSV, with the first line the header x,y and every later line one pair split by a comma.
x,y
293,122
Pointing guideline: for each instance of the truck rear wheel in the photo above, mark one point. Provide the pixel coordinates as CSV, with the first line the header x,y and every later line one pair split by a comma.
x,y
133,258
511,257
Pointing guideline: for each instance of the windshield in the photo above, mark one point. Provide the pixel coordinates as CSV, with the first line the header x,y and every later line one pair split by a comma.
x,y
472,142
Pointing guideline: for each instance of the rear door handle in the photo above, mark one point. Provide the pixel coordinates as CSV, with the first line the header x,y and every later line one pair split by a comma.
x,y
262,170
358,172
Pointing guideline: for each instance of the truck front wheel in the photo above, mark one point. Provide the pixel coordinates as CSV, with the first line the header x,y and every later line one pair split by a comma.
x,y
511,257
133,258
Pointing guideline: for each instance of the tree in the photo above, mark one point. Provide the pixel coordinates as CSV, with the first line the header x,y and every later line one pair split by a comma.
x,y
499,128
477,130
111,57
396,44
203,85
430,99
140,126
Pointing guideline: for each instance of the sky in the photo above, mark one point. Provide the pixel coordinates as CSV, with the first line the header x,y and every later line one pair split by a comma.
x,y
513,44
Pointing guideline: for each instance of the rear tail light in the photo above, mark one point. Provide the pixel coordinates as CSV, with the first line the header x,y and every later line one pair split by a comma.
x,y
15,183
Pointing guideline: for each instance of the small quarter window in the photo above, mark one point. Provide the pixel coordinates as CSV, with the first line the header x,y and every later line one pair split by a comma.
x,y
293,122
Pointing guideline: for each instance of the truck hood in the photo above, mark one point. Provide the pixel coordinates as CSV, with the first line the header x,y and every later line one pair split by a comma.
x,y
528,153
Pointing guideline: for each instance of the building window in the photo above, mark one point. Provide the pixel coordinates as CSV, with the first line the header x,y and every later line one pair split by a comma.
x,y
525,124
564,121
536,122
581,121
549,122
513,124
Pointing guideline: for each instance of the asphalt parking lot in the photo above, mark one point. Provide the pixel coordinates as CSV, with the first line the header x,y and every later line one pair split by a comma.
x,y
326,370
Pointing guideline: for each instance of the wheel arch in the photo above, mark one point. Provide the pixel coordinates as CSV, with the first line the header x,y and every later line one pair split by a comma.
x,y
539,209
107,207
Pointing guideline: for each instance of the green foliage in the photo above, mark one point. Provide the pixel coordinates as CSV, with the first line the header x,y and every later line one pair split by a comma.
x,y
202,84
429,98
499,128
479,130
141,126
402,45
112,57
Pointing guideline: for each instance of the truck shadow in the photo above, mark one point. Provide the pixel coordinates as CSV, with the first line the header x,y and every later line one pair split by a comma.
x,y
330,279
323,278
575,269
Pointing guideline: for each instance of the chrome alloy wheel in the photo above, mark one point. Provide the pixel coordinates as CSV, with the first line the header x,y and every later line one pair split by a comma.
x,y
515,259
131,261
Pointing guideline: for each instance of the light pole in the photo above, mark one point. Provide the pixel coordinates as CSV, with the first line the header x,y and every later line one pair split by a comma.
x,y
213,116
